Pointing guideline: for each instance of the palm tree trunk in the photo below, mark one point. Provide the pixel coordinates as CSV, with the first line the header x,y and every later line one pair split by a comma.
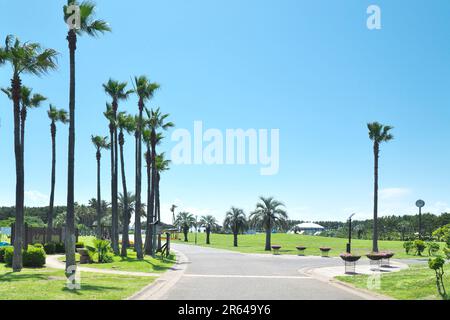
x,y
115,212
137,211
126,221
52,187
186,231
158,209
19,223
111,135
235,239
70,218
268,235
375,199
149,230
99,198
152,193
208,231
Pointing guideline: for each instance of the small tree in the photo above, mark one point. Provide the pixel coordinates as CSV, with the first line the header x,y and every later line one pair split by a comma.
x,y
437,264
208,222
236,221
185,221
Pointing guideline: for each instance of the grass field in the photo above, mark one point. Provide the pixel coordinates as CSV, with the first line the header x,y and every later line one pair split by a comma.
x,y
49,284
416,283
289,242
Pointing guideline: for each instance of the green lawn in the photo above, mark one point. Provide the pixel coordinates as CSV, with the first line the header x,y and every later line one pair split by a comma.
x,y
289,242
416,283
49,284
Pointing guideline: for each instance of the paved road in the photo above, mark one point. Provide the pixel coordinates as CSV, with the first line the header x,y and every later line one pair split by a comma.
x,y
214,274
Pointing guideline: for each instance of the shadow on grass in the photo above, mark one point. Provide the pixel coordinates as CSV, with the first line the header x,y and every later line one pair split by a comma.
x,y
86,288
15,276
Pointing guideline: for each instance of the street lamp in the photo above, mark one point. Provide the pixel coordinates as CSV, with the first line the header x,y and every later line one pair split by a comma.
x,y
349,244
420,204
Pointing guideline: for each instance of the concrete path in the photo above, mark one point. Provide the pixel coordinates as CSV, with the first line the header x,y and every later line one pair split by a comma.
x,y
53,262
214,274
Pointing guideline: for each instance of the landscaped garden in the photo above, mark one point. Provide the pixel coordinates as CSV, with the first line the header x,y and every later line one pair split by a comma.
x,y
254,243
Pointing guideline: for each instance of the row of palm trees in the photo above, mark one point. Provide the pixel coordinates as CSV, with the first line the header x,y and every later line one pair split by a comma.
x,y
268,215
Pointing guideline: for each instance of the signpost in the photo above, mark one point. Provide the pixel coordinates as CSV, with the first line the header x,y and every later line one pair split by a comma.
x,y
349,244
420,204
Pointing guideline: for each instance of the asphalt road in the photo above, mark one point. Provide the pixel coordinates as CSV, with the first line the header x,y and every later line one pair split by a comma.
x,y
214,274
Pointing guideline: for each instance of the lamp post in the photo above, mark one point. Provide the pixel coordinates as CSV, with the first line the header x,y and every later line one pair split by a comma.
x,y
420,204
349,244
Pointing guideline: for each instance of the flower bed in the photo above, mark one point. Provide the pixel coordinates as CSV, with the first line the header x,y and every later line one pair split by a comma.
x,y
375,256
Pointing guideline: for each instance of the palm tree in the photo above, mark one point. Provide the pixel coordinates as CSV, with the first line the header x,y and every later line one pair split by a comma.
x,y
267,215
55,116
172,209
146,135
24,58
117,91
378,133
185,221
90,26
208,222
99,143
236,221
126,123
156,121
162,164
145,91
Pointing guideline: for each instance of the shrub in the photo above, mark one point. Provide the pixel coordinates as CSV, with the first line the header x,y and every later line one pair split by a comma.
x,y
408,245
79,245
433,248
2,253
38,245
59,248
103,249
9,253
34,257
420,246
437,264
447,252
50,248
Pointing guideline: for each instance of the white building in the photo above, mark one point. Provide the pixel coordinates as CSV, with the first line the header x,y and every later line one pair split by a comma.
x,y
308,228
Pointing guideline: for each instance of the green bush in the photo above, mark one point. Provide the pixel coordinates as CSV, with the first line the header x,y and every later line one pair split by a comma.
x,y
38,245
9,252
60,248
447,252
103,249
408,245
433,248
50,248
79,245
420,246
2,253
34,257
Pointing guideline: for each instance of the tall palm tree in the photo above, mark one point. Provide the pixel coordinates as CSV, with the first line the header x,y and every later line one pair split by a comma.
x,y
236,221
92,27
162,164
185,221
145,91
156,121
378,133
99,143
125,122
24,58
268,214
146,136
117,91
55,116
208,222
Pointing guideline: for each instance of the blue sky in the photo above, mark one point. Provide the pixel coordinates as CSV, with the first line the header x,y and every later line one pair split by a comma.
x,y
311,69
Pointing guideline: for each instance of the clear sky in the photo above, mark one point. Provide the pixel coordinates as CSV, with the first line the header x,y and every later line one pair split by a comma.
x,y
311,69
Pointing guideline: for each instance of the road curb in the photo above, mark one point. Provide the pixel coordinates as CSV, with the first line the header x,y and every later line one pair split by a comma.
x,y
160,286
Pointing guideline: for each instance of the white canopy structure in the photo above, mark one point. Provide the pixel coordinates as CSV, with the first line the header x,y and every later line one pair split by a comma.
x,y
308,228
